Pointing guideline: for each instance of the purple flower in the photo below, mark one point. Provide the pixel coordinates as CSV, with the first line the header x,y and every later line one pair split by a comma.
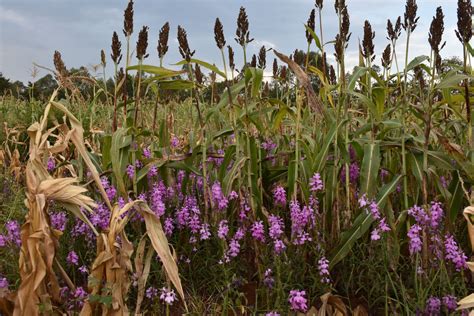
x,y
268,145
383,225
272,314
58,221
258,231
300,219
153,172
323,268
51,164
419,215
3,240
279,195
375,235
233,195
234,248
223,229
205,232
174,142
111,192
433,306
450,302
147,152
72,258
138,164
101,217
130,171
240,233
151,292
444,182
298,301
278,246
83,270
315,183
80,295
363,201
354,172
454,254
244,209
4,283
436,212
168,296
276,226
168,226
13,229
157,199
415,240
218,197
269,281
383,174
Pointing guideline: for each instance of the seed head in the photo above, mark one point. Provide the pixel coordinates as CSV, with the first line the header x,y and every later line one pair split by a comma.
x,y
219,34
322,63
311,24
163,40
116,49
419,76
242,32
262,58
198,74
212,76
339,48
266,90
410,16
102,58
345,24
184,49
253,63
283,73
59,64
120,76
394,32
275,68
128,19
299,57
231,57
319,4
435,35
142,43
368,41
387,56
339,5
332,75
464,31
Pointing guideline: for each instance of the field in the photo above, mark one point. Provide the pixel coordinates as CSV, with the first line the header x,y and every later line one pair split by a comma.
x,y
284,185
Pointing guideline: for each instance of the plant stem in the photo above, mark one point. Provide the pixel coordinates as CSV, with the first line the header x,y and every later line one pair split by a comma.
x,y
404,108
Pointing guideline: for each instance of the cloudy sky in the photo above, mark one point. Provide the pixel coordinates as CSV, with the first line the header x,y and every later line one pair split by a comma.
x,y
31,30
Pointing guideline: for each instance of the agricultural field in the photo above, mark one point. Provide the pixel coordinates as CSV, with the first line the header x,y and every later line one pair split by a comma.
x,y
286,182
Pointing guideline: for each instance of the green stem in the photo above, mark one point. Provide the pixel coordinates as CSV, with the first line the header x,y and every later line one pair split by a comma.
x,y
404,108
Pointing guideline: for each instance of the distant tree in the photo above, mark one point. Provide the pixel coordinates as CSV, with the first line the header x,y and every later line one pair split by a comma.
x,y
44,87
4,84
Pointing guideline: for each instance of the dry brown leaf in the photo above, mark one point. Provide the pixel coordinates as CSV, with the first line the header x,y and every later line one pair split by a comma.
x,y
360,311
304,81
332,305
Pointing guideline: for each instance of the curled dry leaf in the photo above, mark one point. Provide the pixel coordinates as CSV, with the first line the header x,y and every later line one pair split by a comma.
x,y
332,306
304,81
113,264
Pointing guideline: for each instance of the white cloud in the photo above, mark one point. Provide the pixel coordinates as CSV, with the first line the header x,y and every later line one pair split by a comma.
x,y
267,44
11,16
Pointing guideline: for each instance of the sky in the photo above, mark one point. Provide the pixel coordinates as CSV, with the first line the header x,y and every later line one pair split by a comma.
x,y
31,30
